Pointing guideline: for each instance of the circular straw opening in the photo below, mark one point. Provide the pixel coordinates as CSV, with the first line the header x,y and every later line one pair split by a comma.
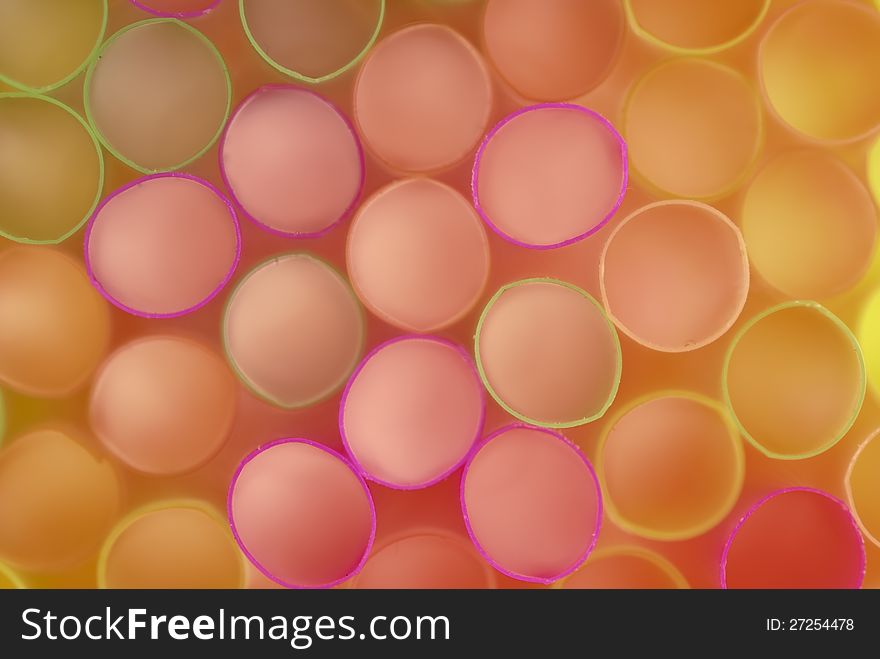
x,y
798,537
301,514
292,161
417,255
312,40
695,27
553,50
625,567
694,128
531,503
293,330
809,224
9,580
163,404
163,245
794,379
57,501
868,333
547,353
171,544
158,95
553,146
862,489
51,169
671,466
412,411
674,275
44,44
176,8
422,98
54,327
429,558
818,67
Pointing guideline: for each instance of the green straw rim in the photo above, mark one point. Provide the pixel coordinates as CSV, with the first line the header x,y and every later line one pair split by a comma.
x,y
245,380
98,193
12,576
862,386
618,367
296,75
89,59
87,95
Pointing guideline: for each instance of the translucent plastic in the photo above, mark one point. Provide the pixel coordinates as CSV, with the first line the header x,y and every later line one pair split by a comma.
x,y
863,489
9,580
176,8
625,567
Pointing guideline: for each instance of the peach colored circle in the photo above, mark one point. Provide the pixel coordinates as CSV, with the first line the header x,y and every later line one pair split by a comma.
x,y
163,404
418,255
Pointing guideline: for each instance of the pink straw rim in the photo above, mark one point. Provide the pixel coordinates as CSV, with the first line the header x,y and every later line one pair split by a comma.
x,y
466,357
863,560
346,213
475,173
131,184
291,440
599,507
143,6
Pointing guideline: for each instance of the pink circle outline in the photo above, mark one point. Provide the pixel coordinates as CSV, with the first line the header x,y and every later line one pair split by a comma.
x,y
475,172
143,6
349,210
131,184
298,440
466,357
863,562
599,507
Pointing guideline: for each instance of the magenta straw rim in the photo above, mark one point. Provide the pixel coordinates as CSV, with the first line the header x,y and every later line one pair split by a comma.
x,y
298,440
144,6
138,181
624,184
472,534
863,559
362,164
481,421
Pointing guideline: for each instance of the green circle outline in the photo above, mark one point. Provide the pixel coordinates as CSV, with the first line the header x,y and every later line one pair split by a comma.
x,y
847,334
618,370
87,95
296,75
13,577
91,57
98,194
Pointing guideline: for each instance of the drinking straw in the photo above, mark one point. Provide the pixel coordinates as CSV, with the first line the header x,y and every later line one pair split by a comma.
x,y
674,275
874,170
694,128
293,330
417,255
44,44
531,503
817,67
425,558
671,465
553,50
412,411
301,514
423,98
551,146
292,160
796,537
58,499
861,487
809,224
794,380
547,353
176,543
176,8
624,567
695,27
163,404
157,95
48,147
54,327
9,580
293,36
868,331
162,246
